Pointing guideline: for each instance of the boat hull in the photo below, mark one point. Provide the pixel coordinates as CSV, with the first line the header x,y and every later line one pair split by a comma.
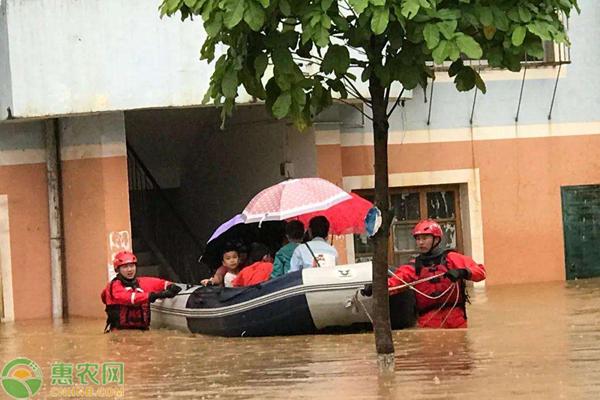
x,y
309,301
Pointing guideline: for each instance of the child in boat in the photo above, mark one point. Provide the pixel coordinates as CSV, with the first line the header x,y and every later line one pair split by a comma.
x,y
260,268
230,267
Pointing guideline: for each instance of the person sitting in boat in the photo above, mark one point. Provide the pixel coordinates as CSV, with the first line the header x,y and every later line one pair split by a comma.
x,y
128,298
316,252
230,267
441,296
294,232
260,268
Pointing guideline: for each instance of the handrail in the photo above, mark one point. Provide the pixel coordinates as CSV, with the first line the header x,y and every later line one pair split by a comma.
x,y
149,175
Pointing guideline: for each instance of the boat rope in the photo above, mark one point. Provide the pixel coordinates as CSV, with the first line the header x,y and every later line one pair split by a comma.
x,y
412,284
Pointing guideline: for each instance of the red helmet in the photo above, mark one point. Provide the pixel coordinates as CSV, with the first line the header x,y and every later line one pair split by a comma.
x,y
428,227
124,257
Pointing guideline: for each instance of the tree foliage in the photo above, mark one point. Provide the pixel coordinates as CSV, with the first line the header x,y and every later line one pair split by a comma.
x,y
318,49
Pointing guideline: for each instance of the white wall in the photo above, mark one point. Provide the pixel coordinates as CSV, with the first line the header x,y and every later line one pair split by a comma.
x,y
217,172
5,86
70,56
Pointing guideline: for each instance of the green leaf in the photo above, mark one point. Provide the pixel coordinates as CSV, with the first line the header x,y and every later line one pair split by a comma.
x,y
535,48
540,29
254,16
229,84
440,53
264,3
410,8
500,19
453,50
495,57
395,35
480,83
377,2
234,12
446,13
298,96
214,25
260,64
489,32
325,4
432,35
190,3
359,5
465,79
281,107
455,67
485,16
337,59
447,28
469,46
381,17
518,35
524,14
284,6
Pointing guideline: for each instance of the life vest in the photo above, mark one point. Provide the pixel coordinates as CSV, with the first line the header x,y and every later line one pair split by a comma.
x,y
125,316
435,287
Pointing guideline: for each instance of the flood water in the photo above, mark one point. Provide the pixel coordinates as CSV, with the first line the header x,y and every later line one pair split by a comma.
x,y
524,342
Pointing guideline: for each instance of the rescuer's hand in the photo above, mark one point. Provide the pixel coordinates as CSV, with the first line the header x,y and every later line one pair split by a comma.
x,y
367,291
173,290
456,274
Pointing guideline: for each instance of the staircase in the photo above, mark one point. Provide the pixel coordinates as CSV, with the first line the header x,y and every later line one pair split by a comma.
x,y
162,240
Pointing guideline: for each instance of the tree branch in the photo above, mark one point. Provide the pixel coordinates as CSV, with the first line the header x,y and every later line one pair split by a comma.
x,y
396,103
351,9
367,116
349,82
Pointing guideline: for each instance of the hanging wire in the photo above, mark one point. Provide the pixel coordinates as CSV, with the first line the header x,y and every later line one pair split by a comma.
x,y
430,102
521,93
554,93
473,107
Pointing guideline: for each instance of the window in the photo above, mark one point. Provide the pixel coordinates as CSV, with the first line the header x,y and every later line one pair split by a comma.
x,y
410,206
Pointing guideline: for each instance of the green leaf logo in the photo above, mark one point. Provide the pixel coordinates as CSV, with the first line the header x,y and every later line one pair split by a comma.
x,y
21,378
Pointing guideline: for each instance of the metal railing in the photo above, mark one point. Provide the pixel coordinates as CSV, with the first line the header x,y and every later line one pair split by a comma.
x,y
161,226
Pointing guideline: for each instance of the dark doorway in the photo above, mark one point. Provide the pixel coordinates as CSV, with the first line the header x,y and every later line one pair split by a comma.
x,y
581,226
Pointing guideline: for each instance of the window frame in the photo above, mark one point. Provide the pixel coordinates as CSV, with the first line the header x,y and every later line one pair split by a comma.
x,y
423,213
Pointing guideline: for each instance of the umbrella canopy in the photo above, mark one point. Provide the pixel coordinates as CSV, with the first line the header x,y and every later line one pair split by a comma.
x,y
238,219
292,198
345,217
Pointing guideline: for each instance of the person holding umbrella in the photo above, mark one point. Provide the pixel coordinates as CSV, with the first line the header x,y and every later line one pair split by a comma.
x,y
316,252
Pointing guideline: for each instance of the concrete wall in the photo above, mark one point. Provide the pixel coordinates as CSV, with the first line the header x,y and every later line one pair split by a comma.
x,y
26,273
217,171
5,78
101,55
96,212
96,204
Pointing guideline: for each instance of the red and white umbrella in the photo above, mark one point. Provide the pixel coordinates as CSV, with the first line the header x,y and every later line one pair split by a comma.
x,y
292,198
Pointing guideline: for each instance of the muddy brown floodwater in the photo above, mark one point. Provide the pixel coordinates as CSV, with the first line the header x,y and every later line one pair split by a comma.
x,y
537,341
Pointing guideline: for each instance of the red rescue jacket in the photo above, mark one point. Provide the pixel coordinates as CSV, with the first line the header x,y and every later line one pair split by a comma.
x,y
448,311
254,274
127,304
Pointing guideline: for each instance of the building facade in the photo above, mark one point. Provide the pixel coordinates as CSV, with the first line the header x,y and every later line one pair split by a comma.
x,y
125,80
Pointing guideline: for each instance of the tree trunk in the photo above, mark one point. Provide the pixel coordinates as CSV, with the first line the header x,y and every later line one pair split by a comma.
x,y
381,308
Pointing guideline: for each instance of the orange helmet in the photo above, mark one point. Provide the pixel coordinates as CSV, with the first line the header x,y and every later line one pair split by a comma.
x,y
428,227
124,257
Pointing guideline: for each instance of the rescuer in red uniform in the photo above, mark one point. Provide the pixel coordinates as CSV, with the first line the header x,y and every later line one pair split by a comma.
x,y
128,298
441,297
